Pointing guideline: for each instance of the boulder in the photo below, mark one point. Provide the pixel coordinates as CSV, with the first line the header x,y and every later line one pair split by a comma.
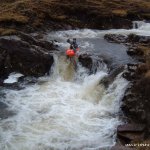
x,y
128,133
92,62
133,38
26,55
131,72
115,38
131,128
135,51
86,61
106,81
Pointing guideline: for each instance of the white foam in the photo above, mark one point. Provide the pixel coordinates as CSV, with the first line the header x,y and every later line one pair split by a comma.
x,y
143,28
13,77
62,112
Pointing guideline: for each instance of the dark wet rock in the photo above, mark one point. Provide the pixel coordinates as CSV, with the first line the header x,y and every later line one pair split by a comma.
x,y
131,132
131,72
106,81
92,62
131,136
134,50
13,86
86,61
133,38
115,38
128,40
128,138
131,51
132,67
138,45
131,128
25,55
1,82
41,43
136,103
3,55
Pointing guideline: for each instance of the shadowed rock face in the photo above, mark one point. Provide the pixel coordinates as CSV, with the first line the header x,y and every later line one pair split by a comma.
x,y
86,61
136,102
114,38
26,55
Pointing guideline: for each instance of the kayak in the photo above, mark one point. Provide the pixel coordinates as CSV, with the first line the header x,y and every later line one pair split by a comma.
x,y
70,52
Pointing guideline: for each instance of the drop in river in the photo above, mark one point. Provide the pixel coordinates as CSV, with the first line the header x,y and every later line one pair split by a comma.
x,y
68,110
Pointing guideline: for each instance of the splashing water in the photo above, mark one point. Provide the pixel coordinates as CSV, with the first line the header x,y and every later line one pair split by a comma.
x,y
67,111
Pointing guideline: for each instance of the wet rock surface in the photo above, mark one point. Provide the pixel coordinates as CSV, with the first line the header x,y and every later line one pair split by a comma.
x,y
130,133
130,72
114,38
26,55
136,43
86,61
106,81
138,39
92,62
136,102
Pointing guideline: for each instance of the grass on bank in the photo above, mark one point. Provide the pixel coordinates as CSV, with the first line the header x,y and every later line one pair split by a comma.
x,y
5,31
38,12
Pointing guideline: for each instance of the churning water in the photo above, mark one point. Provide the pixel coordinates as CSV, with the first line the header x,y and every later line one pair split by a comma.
x,y
70,110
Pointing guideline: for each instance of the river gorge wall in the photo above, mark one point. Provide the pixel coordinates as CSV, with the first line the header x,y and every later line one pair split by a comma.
x,y
41,15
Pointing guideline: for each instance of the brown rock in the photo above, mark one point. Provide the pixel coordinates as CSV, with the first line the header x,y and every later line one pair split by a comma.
x,y
26,55
115,38
131,136
131,127
86,61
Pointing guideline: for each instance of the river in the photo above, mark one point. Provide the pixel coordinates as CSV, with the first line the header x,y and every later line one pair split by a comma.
x,y
69,110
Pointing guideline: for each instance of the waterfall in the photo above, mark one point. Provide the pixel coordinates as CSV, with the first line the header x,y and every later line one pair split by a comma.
x,y
68,110
138,24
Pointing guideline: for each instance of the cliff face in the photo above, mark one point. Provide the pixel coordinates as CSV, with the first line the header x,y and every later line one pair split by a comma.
x,y
136,102
31,15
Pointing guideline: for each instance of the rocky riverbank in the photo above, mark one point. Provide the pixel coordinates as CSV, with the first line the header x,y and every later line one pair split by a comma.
x,y
136,101
41,15
25,54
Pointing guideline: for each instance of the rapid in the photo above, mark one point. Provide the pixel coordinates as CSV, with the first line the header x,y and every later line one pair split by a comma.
x,y
70,109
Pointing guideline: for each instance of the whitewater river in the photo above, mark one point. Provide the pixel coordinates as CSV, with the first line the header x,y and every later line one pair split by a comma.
x,y
69,110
